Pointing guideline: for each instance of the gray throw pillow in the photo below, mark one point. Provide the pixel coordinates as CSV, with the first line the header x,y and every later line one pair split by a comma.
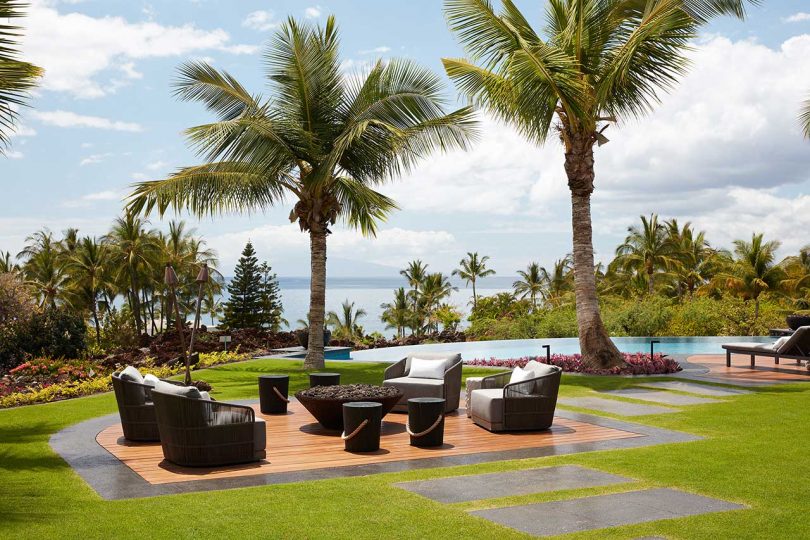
x,y
175,390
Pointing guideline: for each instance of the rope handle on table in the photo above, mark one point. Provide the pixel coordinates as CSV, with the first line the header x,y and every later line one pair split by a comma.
x,y
281,396
351,435
428,430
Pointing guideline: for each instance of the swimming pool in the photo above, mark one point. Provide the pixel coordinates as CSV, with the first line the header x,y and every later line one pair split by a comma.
x,y
516,348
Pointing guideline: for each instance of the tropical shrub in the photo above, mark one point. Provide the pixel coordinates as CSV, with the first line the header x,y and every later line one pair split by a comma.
x,y
118,331
649,316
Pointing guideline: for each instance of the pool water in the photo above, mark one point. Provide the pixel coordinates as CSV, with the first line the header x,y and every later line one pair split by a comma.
x,y
516,348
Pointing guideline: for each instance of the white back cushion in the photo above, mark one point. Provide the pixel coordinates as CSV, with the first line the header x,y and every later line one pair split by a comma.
x,y
150,380
424,368
185,391
130,373
519,375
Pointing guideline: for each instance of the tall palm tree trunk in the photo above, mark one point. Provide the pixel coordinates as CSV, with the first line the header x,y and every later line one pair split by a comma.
x,y
95,320
317,296
595,344
650,284
475,297
136,303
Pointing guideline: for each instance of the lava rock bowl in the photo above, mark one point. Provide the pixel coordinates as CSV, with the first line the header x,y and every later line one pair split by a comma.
x,y
796,321
325,403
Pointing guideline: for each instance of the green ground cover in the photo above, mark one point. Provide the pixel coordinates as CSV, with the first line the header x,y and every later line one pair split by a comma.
x,y
755,453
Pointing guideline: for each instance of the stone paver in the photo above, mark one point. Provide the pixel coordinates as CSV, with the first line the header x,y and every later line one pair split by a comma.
x,y
615,407
694,388
489,486
588,513
659,396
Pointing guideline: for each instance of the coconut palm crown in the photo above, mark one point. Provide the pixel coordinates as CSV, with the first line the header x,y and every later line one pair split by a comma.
x,y
323,139
594,63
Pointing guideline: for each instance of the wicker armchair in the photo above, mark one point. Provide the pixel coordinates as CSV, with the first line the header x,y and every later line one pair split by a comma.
x,y
202,433
449,387
522,406
136,409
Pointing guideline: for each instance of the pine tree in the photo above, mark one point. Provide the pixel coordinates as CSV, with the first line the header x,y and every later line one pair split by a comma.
x,y
244,307
270,299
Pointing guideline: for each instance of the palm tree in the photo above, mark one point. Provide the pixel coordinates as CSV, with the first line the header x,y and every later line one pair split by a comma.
x,y
805,118
697,260
435,288
531,284
346,324
43,267
6,264
134,253
471,268
323,139
16,77
598,61
797,275
415,274
557,283
753,270
397,314
647,250
86,273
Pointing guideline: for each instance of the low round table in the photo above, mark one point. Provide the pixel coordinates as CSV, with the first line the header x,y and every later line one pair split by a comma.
x,y
273,390
362,423
426,421
324,379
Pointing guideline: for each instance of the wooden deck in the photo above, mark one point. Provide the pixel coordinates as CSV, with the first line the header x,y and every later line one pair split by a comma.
x,y
765,370
296,443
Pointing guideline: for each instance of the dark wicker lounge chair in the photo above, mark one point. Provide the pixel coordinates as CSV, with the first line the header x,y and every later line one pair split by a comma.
x,y
796,347
202,433
522,406
449,387
136,409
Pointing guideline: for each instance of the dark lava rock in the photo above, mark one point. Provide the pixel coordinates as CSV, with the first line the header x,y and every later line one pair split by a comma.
x,y
353,392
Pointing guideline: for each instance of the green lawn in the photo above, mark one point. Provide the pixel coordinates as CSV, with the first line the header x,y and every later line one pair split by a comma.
x,y
756,452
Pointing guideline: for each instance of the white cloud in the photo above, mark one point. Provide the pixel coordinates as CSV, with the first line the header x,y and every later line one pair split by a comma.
x,y
14,154
313,12
392,247
78,50
68,119
94,159
801,16
377,50
88,200
156,165
128,68
21,130
260,20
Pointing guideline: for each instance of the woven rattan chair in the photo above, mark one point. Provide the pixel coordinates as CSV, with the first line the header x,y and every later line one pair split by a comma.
x,y
136,409
202,433
523,406
449,387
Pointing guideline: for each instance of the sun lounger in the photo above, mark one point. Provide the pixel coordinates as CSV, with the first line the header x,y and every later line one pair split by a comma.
x,y
795,347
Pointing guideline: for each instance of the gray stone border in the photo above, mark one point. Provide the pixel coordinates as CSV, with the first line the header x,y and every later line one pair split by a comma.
x,y
113,480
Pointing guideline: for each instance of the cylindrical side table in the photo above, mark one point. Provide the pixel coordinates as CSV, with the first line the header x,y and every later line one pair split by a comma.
x,y
426,421
362,423
273,391
324,379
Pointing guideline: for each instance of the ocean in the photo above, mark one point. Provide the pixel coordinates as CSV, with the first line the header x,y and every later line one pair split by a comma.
x,y
368,293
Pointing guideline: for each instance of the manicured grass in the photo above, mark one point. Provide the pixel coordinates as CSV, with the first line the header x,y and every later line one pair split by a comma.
x,y
755,453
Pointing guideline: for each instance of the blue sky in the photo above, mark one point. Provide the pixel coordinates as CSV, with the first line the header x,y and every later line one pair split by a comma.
x,y
724,150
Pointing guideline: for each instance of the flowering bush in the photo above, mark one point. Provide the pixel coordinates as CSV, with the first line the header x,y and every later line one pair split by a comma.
x,y
635,364
43,380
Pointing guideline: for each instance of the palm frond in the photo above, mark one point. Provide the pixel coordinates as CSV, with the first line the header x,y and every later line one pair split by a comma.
x,y
17,77
805,118
362,206
212,188
219,91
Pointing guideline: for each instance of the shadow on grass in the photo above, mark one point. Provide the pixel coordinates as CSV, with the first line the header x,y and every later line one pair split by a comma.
x,y
21,434
15,461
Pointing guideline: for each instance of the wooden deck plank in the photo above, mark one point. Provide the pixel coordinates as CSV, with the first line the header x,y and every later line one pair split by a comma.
x,y
296,443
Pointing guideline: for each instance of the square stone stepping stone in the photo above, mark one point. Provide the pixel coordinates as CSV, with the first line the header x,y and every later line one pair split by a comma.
x,y
601,511
488,486
615,407
695,388
660,396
